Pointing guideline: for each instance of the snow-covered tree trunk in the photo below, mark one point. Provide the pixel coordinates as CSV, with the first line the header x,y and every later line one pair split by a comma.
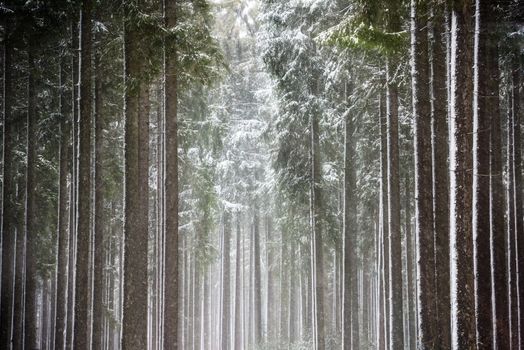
x,y
238,287
461,162
257,297
225,313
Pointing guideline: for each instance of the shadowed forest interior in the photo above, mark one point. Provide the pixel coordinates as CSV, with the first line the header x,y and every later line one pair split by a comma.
x,y
262,174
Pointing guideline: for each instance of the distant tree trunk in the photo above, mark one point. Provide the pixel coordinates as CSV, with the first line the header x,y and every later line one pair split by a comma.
x,y
134,321
440,139
30,330
197,322
99,249
316,237
350,291
74,187
412,298
238,288
481,181
226,288
171,190
82,303
257,276
292,296
423,177
20,275
283,288
63,234
271,295
498,204
461,162
396,335
8,200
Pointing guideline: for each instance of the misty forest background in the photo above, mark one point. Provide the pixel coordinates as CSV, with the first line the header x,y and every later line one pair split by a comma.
x,y
262,174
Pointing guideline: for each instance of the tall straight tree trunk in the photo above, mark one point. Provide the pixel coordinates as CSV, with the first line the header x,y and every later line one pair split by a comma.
x,y
317,265
519,224
481,171
238,288
283,288
384,235
257,297
30,330
74,186
271,277
461,162
8,200
20,275
82,328
134,319
498,228
63,234
396,336
423,177
412,298
440,139
226,288
99,249
350,291
171,190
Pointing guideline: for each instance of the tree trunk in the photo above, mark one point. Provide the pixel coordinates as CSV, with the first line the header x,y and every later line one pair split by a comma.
x,y
257,297
8,201
82,303
440,139
134,322
481,197
30,331
225,314
461,162
63,234
99,250
238,325
384,235
316,238
350,293
171,190
423,177
498,228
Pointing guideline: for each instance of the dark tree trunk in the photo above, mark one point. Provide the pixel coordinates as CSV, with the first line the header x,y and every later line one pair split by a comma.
x,y
82,328
171,190
8,201
134,319
440,140
63,234
481,180
498,205
461,162
423,178
99,250
350,294
30,330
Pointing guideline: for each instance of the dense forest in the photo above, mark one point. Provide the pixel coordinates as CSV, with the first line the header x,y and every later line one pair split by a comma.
x,y
262,174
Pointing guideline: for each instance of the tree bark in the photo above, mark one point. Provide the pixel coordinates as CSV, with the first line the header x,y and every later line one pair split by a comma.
x,y
134,319
8,200
63,218
481,182
461,162
423,177
171,190
226,288
384,255
82,328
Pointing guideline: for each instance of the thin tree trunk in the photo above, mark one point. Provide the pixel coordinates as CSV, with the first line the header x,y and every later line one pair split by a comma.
x,y
257,276
82,303
226,288
63,234
384,268
171,190
461,162
238,325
